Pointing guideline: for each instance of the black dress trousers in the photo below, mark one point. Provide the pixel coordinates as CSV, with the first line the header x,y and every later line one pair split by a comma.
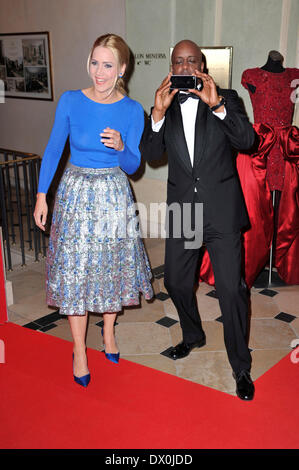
x,y
180,271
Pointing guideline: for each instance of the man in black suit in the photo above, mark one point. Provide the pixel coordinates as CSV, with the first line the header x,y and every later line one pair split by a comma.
x,y
198,135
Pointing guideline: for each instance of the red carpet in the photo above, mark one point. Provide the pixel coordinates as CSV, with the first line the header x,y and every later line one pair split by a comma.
x,y
131,406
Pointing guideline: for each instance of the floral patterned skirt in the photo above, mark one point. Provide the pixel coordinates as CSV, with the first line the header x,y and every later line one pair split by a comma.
x,y
96,259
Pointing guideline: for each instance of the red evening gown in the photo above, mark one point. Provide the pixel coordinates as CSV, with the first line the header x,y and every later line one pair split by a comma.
x,y
274,165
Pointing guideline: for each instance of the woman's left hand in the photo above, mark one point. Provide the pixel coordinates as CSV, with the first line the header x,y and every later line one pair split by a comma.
x,y
111,138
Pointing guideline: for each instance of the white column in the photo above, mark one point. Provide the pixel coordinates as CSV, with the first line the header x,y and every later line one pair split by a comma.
x,y
172,22
218,22
284,26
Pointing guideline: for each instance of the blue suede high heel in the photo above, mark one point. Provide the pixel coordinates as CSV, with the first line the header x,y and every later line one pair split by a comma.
x,y
84,380
113,357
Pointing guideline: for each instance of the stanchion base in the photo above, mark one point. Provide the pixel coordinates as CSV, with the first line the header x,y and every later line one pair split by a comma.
x,y
262,281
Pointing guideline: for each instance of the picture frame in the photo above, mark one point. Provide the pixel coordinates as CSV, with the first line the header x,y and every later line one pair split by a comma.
x,y
25,66
218,63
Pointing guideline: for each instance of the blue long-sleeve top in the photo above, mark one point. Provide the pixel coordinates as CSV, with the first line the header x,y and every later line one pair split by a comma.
x,y
83,119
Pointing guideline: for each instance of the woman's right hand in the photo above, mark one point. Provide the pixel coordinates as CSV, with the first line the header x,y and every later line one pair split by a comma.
x,y
41,211
163,99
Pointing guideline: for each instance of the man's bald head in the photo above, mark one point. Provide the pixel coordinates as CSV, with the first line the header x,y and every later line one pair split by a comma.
x,y
186,43
186,57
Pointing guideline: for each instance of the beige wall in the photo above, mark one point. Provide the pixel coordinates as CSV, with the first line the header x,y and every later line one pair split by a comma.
x,y
252,27
73,26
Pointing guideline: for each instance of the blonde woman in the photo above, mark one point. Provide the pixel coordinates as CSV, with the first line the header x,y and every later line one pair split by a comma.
x,y
96,259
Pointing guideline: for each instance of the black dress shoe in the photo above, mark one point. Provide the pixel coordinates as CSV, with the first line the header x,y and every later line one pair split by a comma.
x,y
245,387
183,349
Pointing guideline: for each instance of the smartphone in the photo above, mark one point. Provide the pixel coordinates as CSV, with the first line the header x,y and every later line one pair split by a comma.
x,y
185,82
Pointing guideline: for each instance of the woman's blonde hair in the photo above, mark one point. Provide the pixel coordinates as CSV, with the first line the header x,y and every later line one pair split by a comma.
x,y
119,49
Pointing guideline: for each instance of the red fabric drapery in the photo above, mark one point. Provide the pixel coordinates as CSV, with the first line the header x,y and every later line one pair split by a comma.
x,y
257,239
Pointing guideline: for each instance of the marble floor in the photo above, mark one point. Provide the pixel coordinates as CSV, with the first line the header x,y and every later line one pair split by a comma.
x,y
145,334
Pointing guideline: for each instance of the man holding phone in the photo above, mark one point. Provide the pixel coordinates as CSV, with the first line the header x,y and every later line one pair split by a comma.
x,y
198,128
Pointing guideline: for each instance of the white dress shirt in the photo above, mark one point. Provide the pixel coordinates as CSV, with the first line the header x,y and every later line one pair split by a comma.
x,y
189,111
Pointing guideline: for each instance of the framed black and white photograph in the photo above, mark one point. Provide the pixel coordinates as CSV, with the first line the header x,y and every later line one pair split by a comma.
x,y
25,65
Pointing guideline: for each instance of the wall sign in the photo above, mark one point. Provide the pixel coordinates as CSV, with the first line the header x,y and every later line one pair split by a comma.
x,y
146,58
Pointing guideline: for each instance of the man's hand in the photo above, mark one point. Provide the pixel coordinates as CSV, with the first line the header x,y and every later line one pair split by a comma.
x,y
208,94
163,99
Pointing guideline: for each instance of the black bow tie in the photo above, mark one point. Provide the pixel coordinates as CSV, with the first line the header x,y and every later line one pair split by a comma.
x,y
184,96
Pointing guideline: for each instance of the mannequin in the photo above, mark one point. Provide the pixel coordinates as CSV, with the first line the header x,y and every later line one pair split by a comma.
x,y
273,65
270,169
274,62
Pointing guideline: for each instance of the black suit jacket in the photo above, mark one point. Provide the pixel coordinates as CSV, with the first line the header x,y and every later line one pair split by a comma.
x,y
214,171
